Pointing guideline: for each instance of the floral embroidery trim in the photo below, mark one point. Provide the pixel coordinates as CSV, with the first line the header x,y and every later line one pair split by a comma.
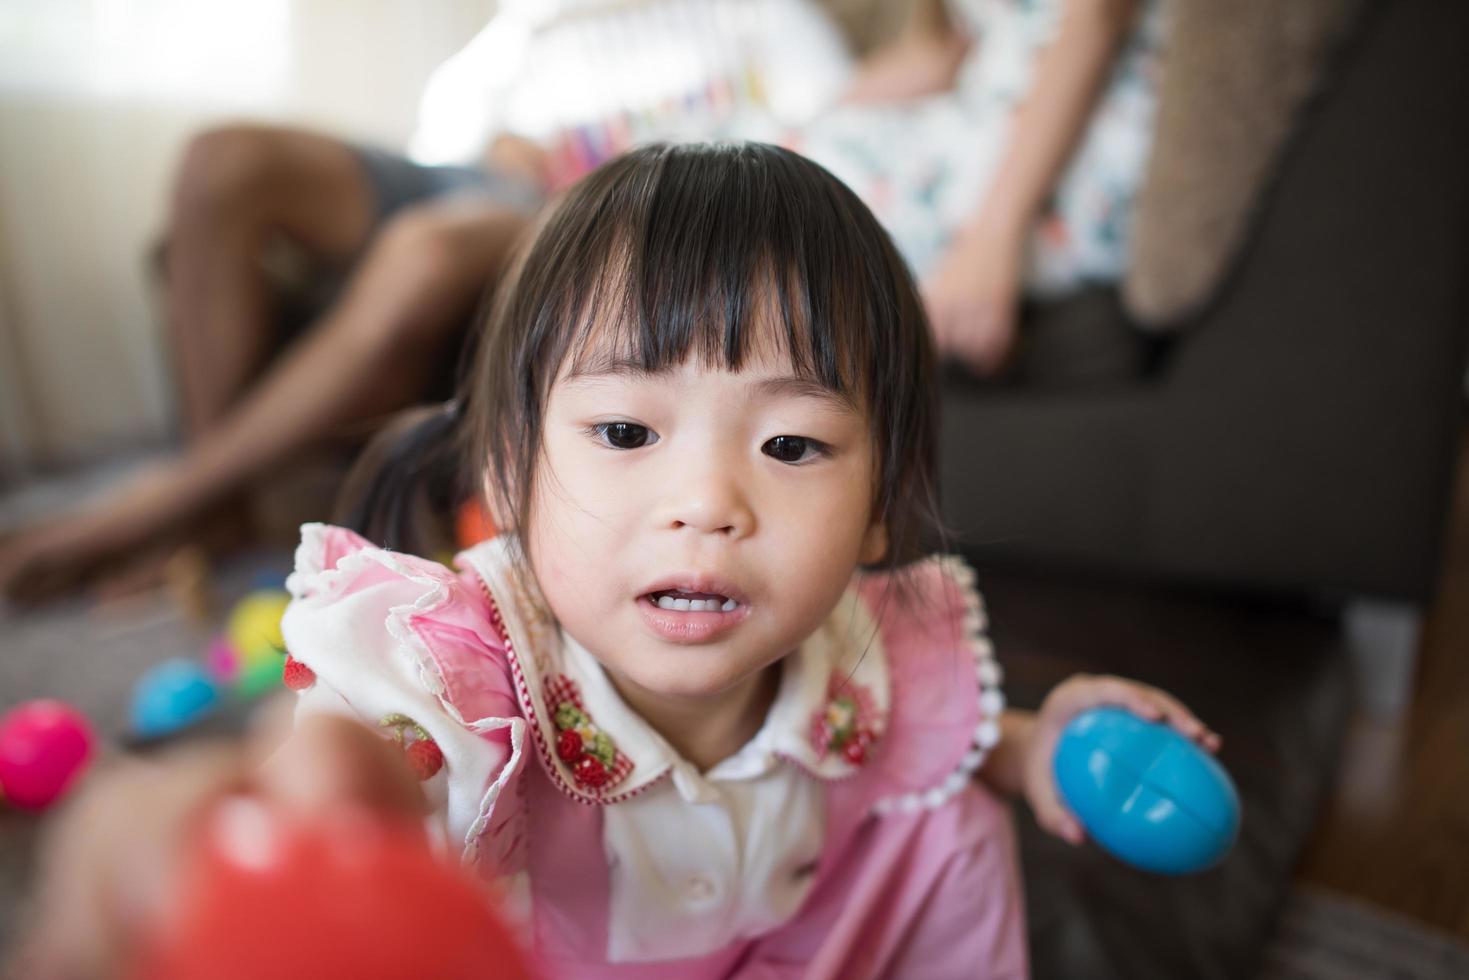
x,y
531,705
424,755
585,749
847,723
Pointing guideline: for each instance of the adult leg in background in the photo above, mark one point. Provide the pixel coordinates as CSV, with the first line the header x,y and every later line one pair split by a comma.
x,y
236,187
371,353
377,350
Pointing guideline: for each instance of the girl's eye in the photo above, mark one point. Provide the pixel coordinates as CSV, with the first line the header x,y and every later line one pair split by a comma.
x,y
793,449
624,435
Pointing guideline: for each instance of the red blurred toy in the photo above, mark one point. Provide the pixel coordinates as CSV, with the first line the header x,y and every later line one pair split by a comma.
x,y
44,746
350,897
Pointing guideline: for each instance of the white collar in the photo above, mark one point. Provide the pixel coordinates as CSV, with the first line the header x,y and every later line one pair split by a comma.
x,y
842,665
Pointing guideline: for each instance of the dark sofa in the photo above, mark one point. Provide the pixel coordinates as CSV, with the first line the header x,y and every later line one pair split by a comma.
x,y
1298,433
1207,511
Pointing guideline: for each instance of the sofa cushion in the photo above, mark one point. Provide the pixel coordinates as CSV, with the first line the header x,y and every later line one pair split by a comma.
x,y
1235,79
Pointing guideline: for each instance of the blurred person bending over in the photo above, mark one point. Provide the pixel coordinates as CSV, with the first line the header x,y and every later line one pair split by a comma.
x,y
419,240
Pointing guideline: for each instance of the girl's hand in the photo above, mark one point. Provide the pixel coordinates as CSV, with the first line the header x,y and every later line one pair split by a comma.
x,y
972,298
111,865
1070,698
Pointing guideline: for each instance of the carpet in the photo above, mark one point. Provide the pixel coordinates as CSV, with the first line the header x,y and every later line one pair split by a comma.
x,y
1326,936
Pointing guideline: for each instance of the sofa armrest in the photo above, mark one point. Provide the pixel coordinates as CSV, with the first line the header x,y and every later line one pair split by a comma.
x,y
1315,404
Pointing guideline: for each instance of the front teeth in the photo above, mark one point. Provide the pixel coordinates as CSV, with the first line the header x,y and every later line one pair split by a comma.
x,y
696,605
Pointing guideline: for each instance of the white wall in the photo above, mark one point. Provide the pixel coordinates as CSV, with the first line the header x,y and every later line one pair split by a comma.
x,y
97,98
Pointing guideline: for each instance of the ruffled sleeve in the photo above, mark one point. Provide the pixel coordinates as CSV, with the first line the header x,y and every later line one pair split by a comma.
x,y
408,647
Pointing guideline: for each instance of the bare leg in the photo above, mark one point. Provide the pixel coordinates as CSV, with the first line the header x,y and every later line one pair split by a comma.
x,y
235,187
374,353
370,355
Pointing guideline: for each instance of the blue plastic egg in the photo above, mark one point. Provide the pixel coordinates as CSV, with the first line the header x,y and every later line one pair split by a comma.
x,y
1146,795
171,696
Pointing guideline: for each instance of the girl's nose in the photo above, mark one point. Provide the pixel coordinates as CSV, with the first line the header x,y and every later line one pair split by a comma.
x,y
711,502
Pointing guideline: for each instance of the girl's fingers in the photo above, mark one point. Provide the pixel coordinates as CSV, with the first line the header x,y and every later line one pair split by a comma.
x,y
1151,704
110,867
333,763
1059,823
1078,694
110,864
1051,812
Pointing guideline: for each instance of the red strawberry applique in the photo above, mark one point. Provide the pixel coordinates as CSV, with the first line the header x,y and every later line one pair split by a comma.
x,y
589,771
296,675
569,746
424,755
426,758
588,753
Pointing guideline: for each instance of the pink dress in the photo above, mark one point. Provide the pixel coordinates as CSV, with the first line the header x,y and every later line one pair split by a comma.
x,y
914,872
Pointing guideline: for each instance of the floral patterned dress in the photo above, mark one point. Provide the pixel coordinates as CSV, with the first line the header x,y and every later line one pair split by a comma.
x,y
924,166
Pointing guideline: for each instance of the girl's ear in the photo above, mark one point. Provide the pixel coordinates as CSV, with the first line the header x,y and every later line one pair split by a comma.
x,y
874,543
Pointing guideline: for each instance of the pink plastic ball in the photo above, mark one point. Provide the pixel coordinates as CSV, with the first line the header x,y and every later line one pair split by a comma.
x,y
44,746
222,660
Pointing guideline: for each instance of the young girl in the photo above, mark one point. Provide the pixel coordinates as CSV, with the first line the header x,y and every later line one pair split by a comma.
x,y
704,708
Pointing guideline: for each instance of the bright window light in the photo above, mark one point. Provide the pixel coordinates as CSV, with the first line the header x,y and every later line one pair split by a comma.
x,y
231,52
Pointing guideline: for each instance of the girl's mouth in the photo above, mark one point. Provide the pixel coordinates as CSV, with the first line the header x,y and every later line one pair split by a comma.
x,y
676,600
690,617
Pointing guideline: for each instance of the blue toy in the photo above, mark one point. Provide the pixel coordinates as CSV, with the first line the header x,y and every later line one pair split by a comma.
x,y
172,696
1146,794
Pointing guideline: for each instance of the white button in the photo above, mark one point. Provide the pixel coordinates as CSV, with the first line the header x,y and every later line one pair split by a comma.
x,y
700,889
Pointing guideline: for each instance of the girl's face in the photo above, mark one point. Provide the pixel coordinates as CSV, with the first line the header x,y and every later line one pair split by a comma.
x,y
748,494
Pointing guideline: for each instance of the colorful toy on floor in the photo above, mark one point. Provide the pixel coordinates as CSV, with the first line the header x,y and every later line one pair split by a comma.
x,y
255,621
352,897
170,697
45,745
248,673
260,673
254,630
250,654
246,660
1146,794
221,660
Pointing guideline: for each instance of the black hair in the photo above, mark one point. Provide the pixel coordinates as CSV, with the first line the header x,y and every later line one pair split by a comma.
x,y
685,250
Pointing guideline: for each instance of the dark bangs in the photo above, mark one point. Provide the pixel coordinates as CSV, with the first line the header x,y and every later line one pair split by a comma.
x,y
708,250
